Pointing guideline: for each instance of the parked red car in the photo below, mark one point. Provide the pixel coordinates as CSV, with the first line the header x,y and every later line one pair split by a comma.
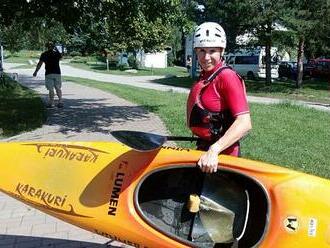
x,y
320,68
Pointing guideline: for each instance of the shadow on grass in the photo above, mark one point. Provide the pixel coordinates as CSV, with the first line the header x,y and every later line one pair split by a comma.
x,y
257,86
185,82
315,90
285,86
102,67
114,67
20,109
124,70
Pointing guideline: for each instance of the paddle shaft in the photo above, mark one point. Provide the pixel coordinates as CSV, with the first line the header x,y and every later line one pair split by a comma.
x,y
141,141
181,138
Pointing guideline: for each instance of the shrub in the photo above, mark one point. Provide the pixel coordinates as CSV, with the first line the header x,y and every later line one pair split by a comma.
x,y
170,59
133,62
75,53
122,67
101,58
79,59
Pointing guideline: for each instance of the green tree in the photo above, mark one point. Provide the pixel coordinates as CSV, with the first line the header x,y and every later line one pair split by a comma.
x,y
135,25
13,37
309,23
248,16
40,30
125,24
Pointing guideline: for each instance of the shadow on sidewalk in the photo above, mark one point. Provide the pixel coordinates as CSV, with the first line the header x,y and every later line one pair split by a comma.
x,y
19,241
93,115
86,112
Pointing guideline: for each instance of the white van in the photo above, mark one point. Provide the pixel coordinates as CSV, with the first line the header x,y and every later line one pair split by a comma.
x,y
251,63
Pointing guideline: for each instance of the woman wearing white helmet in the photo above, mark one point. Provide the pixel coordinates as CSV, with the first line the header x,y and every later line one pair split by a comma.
x,y
217,108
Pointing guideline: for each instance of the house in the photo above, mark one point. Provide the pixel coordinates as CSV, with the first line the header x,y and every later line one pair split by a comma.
x,y
149,60
153,60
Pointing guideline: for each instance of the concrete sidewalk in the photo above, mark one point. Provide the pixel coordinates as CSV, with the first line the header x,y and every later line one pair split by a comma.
x,y
147,82
88,114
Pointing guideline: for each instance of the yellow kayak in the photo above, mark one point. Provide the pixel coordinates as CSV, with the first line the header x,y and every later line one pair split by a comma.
x,y
160,199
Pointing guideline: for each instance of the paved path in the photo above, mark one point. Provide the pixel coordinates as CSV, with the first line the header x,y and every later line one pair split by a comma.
x,y
89,114
139,81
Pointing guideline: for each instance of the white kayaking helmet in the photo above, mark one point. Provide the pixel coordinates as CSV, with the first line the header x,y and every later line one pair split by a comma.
x,y
210,34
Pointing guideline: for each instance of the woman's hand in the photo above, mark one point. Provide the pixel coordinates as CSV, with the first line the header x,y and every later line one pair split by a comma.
x,y
208,162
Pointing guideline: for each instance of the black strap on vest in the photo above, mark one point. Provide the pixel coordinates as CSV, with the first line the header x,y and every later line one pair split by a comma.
x,y
220,122
216,73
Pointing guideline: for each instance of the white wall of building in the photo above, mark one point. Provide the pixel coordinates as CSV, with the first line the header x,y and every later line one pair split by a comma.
x,y
155,60
152,60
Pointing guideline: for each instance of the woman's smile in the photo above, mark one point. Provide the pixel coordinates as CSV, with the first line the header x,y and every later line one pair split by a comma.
x,y
208,58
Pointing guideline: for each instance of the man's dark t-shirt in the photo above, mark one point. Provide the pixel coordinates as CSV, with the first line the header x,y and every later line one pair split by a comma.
x,y
52,62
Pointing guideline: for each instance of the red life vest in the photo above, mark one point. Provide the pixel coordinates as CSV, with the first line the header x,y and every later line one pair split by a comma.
x,y
206,124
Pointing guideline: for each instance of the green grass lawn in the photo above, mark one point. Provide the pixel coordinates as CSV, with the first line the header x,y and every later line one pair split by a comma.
x,y
283,134
20,109
101,67
313,90
21,57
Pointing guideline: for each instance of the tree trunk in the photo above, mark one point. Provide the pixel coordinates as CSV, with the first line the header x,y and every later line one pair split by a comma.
x,y
268,54
183,48
268,65
136,63
300,65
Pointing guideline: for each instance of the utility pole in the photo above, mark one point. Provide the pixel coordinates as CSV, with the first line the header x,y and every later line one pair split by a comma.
x,y
194,64
1,59
2,81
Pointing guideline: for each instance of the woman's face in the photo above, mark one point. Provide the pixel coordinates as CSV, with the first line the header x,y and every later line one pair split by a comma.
x,y
208,57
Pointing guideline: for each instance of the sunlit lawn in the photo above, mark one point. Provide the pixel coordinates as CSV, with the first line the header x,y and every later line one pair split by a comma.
x,y
101,67
315,90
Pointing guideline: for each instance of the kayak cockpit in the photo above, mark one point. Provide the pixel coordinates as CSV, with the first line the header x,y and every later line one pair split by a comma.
x,y
204,210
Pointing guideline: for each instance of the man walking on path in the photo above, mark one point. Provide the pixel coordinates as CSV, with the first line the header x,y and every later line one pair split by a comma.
x,y
51,58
